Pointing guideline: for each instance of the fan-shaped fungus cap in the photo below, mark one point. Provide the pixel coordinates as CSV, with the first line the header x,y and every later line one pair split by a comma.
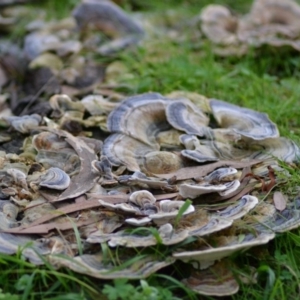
x,y
246,122
221,174
225,247
106,16
168,210
218,280
121,149
141,117
273,22
195,151
282,148
218,24
24,124
142,198
238,209
195,190
185,116
56,179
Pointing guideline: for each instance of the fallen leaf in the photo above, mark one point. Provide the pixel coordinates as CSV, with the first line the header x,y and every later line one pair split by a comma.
x,y
199,171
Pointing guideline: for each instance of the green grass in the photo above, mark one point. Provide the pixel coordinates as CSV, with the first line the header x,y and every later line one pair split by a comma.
x,y
266,80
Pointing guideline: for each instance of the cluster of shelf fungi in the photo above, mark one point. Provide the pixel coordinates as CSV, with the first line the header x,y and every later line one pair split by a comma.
x,y
201,180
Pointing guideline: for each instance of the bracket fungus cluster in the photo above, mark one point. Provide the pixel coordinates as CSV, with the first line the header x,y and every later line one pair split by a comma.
x,y
196,178
203,193
269,22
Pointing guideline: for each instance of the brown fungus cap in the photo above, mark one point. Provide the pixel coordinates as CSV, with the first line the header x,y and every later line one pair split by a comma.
x,y
141,117
185,116
244,121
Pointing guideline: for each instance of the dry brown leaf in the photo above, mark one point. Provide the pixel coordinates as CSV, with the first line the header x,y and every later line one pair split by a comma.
x,y
199,171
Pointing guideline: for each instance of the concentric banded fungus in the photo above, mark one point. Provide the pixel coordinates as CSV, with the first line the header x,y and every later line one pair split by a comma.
x,y
185,116
215,281
268,219
221,174
51,142
56,179
96,266
25,123
121,149
18,176
168,210
110,19
281,148
143,203
12,243
8,214
219,25
197,227
231,187
239,209
103,167
97,105
166,232
195,190
244,121
224,247
141,117
63,103
272,22
196,151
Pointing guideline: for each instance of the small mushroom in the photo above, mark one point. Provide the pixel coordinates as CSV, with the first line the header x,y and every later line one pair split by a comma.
x,y
11,244
55,178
